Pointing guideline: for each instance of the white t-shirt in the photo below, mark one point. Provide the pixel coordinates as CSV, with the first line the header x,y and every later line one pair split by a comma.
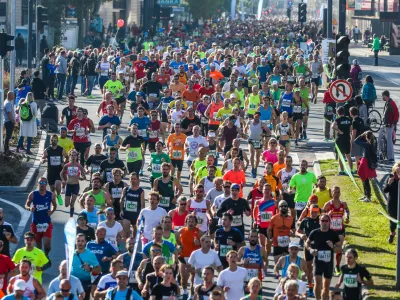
x,y
177,116
152,218
235,282
198,259
111,232
217,202
302,288
194,143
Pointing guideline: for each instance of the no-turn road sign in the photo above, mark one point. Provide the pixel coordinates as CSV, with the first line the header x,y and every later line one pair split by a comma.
x,y
341,91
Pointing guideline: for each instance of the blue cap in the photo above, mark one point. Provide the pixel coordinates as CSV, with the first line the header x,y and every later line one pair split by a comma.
x,y
235,186
64,128
140,94
109,209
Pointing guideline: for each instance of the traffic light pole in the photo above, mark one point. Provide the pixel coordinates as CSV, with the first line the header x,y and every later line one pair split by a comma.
x,y
30,21
37,36
329,19
342,17
1,105
13,53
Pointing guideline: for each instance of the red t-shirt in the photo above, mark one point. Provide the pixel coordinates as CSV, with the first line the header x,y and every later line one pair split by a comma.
x,y
139,69
203,91
80,127
163,79
104,106
6,265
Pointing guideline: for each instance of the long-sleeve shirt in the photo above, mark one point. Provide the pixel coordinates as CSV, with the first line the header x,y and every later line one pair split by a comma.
x,y
62,65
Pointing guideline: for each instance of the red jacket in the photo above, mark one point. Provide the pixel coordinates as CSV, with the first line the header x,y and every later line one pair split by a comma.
x,y
327,98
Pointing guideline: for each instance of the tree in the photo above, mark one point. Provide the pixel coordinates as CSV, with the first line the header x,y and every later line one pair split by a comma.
x,y
56,11
205,9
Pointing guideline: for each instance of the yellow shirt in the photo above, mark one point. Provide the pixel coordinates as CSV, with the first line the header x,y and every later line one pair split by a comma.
x,y
323,196
203,172
224,113
36,257
67,144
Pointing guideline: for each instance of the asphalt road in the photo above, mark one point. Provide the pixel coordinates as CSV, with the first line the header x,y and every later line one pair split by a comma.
x,y
386,76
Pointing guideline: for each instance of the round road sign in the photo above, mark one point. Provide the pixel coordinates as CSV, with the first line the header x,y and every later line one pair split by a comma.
x,y
341,90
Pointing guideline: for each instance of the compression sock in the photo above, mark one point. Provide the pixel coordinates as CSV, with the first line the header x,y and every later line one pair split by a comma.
x,y
71,212
338,258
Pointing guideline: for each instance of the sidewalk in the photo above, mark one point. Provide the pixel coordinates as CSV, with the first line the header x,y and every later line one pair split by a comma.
x,y
361,50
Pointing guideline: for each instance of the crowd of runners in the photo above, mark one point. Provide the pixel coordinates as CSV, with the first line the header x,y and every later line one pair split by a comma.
x,y
219,110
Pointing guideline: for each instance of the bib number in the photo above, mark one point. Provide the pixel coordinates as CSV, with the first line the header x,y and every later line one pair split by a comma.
x,y
131,206
286,103
204,120
142,132
256,143
73,171
350,280
164,201
297,109
237,220
224,249
200,220
153,134
189,104
132,155
252,106
42,227
300,205
156,168
283,241
251,273
116,193
315,76
266,216
109,176
337,224
176,154
165,106
55,160
324,256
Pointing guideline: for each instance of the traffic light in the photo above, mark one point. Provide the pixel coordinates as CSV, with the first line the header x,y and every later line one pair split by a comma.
x,y
42,17
302,12
342,65
4,47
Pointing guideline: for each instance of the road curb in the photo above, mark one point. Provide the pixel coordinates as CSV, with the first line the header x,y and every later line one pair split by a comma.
x,y
32,171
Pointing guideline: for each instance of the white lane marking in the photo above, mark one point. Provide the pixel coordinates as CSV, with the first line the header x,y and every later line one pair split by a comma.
x,y
295,158
317,168
22,223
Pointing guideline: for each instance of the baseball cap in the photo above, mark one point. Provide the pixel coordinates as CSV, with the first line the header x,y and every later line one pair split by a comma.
x,y
19,285
294,244
97,145
275,82
29,234
109,209
63,128
313,198
232,96
140,94
235,186
122,273
82,216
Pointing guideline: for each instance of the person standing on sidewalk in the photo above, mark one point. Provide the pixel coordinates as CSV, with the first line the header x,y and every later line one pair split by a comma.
x,y
61,72
28,128
390,119
19,49
90,72
376,47
9,119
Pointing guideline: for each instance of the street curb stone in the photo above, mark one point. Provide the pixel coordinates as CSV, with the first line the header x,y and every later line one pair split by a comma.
x,y
32,171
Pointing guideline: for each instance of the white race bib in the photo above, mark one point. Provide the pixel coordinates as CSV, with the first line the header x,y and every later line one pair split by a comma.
x,y
266,123
131,206
251,273
109,176
315,76
116,193
237,220
142,132
156,168
350,280
324,256
164,201
42,227
336,224
164,106
286,102
189,104
80,131
256,143
177,154
283,241
224,249
153,134
266,216
153,95
132,154
300,205
204,120
297,109
73,171
54,161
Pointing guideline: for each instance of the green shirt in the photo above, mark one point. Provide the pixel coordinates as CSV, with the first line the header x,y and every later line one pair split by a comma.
x,y
304,185
114,87
156,161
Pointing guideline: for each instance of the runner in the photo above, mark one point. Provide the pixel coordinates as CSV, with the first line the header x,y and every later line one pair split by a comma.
x,y
336,210
112,139
42,204
168,250
207,287
112,162
115,188
155,131
236,176
323,193
93,215
94,161
178,215
134,144
115,86
102,199
232,279
55,160
131,204
284,132
201,208
193,144
114,231
293,258
322,243
165,288
168,187
176,147
156,159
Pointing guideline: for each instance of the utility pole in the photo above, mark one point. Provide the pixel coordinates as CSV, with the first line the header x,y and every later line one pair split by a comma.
x,y
13,53
398,241
342,17
37,36
30,21
329,19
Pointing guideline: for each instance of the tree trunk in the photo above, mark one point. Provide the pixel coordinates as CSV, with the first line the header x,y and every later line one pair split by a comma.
x,y
81,32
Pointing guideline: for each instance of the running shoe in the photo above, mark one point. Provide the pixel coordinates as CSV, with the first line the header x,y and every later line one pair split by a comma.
x,y
296,143
60,200
304,136
310,293
337,270
254,173
366,199
141,172
326,140
391,239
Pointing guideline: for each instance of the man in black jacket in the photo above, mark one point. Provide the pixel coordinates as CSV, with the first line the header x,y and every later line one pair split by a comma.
x,y
90,72
38,89
74,68
19,49
83,75
43,65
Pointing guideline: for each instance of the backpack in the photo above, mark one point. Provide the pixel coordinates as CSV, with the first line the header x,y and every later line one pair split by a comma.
x,y
25,112
114,292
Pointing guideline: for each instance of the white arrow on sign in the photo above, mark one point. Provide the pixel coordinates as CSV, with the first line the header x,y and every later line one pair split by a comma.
x,y
341,90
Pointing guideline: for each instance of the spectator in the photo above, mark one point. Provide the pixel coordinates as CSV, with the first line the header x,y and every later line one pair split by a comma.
x,y
390,119
90,72
376,47
22,90
43,65
39,90
83,60
61,64
19,49
70,55
75,67
9,119
28,127
368,91
51,76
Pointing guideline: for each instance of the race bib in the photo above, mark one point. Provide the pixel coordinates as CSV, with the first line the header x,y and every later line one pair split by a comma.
x,y
200,220
109,176
336,223
237,220
132,278
131,206
153,134
254,81
164,201
297,109
142,132
286,102
116,193
329,111
73,171
283,241
132,154
80,131
104,73
42,227
164,106
54,161
251,273
266,123
95,169
350,280
153,95
315,76
189,104
300,205
156,168
291,78
266,216
176,153
252,106
224,249
204,120
256,144
92,225
215,115
324,256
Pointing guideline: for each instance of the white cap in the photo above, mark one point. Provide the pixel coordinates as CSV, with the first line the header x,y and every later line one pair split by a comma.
x,y
275,82
19,285
232,96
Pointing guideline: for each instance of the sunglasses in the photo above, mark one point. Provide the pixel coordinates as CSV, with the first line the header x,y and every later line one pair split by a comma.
x,y
155,251
227,186
182,204
64,291
325,221
29,238
43,182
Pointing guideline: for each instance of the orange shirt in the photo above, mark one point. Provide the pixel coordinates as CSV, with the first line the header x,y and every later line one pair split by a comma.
x,y
176,144
163,79
187,239
236,177
281,230
180,87
278,167
213,112
192,96
217,75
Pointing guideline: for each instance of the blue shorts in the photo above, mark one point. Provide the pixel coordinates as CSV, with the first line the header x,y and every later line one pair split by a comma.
x,y
72,189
